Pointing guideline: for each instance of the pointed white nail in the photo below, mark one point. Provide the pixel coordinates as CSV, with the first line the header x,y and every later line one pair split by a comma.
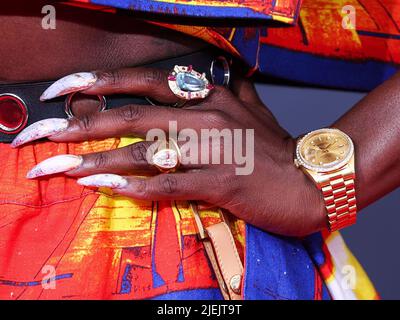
x,y
61,163
71,83
104,180
40,129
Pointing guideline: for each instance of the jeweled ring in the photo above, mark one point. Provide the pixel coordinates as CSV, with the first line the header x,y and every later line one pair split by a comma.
x,y
188,84
168,158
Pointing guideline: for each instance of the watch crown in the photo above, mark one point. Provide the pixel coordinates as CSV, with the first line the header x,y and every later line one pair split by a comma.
x,y
296,163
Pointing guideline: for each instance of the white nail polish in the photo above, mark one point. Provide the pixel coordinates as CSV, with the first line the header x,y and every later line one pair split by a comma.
x,y
40,129
71,83
104,180
57,164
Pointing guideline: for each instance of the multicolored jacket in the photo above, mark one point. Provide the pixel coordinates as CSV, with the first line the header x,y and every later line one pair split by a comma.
x,y
59,240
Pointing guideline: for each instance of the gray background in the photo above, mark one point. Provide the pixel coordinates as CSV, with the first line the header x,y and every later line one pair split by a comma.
x,y
373,239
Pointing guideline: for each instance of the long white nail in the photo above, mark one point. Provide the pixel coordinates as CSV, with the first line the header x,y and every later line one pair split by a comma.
x,y
103,180
61,163
71,83
40,129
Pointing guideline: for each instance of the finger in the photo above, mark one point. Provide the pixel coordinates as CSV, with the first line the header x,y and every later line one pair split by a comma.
x,y
135,120
245,90
137,158
175,186
227,101
220,98
140,81
132,159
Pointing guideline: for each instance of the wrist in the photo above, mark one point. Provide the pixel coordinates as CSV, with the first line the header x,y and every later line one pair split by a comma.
x,y
309,203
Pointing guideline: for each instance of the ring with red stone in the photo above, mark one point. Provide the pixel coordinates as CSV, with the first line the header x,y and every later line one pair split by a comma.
x,y
188,84
168,157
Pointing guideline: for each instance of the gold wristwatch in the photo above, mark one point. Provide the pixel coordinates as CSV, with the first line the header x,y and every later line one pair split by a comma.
x,y
327,157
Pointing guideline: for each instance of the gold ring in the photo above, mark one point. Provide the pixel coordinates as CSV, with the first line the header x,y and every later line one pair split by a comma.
x,y
168,158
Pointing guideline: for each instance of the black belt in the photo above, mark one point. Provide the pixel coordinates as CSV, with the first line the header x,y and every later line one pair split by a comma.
x,y
20,103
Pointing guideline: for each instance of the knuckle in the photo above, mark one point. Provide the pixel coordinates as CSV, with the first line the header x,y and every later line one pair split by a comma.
x,y
228,185
152,77
141,188
101,160
168,184
223,98
111,77
221,93
216,118
234,186
85,122
130,113
138,152
220,90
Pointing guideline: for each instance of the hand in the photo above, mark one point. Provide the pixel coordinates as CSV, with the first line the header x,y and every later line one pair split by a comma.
x,y
275,196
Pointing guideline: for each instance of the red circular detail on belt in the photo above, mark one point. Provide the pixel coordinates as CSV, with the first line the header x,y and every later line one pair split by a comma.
x,y
13,114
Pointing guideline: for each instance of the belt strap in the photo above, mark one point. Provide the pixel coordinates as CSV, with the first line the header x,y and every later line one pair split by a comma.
x,y
37,110
223,255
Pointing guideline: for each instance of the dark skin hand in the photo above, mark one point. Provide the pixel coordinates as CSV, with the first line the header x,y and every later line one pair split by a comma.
x,y
276,197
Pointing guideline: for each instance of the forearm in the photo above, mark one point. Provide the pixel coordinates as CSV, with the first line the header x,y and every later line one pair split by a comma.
x,y
374,126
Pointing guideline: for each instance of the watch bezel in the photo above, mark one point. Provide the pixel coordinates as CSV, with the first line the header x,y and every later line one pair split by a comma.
x,y
335,165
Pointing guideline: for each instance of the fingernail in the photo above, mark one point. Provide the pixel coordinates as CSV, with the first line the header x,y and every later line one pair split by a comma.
x,y
61,163
40,129
104,180
71,83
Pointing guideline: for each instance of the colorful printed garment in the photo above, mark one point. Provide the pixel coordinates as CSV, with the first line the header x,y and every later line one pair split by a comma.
x,y
307,41
59,240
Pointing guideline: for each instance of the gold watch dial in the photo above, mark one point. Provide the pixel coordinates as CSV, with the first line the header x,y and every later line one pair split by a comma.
x,y
325,149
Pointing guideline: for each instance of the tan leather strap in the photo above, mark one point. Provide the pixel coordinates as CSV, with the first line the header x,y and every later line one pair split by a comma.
x,y
223,255
228,258
208,246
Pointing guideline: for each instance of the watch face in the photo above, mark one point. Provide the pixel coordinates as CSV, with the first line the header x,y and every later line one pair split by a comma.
x,y
324,150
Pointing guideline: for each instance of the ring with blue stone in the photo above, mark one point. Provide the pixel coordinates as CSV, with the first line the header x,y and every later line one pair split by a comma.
x,y
188,84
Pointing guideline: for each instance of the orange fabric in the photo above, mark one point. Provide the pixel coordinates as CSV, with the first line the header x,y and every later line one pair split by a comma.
x,y
38,216
96,245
